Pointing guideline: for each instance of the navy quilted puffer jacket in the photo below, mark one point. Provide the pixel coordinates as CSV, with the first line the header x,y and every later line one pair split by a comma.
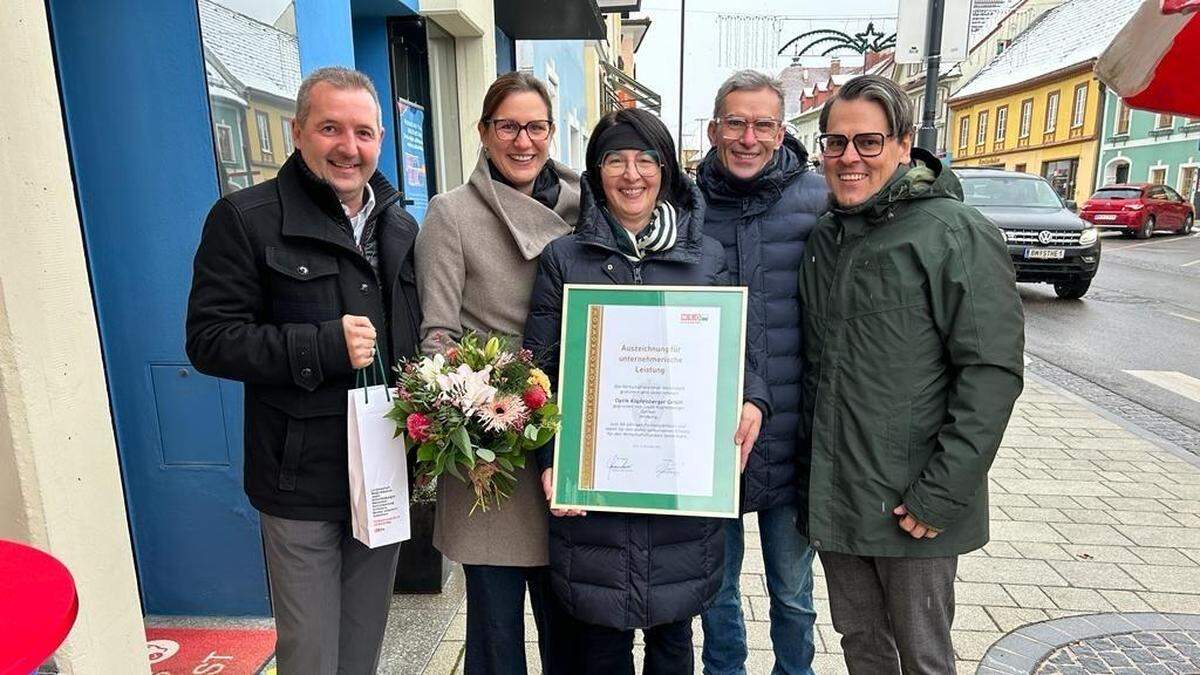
x,y
763,225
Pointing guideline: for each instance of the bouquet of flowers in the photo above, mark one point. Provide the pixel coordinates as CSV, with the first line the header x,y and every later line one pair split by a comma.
x,y
474,411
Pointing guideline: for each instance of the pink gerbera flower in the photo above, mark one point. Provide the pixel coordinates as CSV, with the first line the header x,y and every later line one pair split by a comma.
x,y
505,412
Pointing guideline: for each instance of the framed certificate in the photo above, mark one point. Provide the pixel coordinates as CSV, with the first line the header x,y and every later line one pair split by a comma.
x,y
650,388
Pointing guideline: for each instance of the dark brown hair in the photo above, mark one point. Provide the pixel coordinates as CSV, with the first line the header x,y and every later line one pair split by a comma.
x,y
513,83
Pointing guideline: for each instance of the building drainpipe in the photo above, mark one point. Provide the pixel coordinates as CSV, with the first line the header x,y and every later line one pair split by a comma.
x,y
1102,130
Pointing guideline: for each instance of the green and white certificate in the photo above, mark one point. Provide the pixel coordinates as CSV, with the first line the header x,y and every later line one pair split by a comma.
x,y
651,392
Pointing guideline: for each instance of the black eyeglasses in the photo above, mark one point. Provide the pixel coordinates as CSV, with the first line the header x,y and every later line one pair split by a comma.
x,y
867,145
507,130
733,128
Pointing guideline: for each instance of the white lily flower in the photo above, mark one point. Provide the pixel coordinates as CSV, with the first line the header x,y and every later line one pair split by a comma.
x,y
430,368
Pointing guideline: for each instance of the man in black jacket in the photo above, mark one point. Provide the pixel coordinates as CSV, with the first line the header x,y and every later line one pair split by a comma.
x,y
762,203
298,282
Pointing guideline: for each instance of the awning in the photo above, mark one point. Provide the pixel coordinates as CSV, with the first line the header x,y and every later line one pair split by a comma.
x,y
550,19
1149,64
622,91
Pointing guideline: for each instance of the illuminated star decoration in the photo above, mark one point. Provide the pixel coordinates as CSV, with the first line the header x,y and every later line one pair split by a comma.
x,y
870,40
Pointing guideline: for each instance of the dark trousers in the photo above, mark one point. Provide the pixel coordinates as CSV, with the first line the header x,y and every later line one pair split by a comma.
x,y
894,614
609,651
496,622
330,595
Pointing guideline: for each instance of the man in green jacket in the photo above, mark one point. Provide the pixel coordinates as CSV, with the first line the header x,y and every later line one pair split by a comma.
x,y
913,339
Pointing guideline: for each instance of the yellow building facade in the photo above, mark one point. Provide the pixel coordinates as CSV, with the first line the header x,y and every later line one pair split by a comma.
x,y
1049,126
268,151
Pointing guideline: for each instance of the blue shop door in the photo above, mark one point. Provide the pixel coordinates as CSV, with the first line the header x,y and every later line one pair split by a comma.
x,y
141,146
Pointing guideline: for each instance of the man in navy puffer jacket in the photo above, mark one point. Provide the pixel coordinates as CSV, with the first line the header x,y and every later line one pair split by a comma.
x,y
762,201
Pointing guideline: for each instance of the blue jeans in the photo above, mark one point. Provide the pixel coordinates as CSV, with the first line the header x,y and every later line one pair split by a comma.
x,y
788,559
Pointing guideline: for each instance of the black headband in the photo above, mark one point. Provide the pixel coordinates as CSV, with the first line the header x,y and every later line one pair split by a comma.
x,y
620,136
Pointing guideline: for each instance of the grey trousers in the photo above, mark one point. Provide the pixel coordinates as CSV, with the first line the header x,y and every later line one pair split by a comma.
x,y
894,614
330,595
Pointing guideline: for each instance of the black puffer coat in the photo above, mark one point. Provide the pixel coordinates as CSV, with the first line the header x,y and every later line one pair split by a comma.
x,y
763,225
611,569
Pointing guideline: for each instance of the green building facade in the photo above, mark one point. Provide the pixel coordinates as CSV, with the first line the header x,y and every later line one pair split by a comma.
x,y
1145,147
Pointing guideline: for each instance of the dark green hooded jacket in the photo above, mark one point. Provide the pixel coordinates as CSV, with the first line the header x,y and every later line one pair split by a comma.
x,y
913,341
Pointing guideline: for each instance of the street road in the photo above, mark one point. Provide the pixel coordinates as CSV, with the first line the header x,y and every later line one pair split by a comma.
x,y
1137,331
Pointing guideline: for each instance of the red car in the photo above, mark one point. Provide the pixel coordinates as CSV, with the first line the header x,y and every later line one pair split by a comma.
x,y
1139,209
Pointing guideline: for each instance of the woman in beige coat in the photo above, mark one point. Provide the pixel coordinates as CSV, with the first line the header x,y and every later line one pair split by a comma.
x,y
476,260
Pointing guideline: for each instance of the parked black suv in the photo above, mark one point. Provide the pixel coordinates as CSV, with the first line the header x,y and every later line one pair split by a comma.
x,y
1048,242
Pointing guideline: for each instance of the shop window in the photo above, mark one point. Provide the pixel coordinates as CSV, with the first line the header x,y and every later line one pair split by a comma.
x,y
252,69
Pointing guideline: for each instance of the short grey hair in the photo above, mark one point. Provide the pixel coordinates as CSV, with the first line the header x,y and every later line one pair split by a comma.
x,y
748,80
338,77
895,102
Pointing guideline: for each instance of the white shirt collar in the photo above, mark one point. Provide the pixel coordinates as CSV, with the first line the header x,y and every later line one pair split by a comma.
x,y
359,221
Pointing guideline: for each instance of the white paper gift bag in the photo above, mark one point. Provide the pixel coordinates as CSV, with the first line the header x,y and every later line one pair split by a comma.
x,y
378,469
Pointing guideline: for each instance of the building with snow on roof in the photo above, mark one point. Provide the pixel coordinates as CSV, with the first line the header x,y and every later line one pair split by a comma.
x,y
1036,107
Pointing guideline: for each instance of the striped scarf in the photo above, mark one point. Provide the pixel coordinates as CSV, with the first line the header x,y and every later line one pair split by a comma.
x,y
658,235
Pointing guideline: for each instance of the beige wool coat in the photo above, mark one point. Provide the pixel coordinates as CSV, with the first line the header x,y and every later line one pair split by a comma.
x,y
476,258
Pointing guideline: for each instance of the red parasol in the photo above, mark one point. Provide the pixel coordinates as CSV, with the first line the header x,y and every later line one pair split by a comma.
x,y
1149,63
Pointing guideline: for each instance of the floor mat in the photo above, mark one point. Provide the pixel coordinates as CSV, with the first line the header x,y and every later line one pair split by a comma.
x,y
209,651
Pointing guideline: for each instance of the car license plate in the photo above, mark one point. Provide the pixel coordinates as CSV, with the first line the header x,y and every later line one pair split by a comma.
x,y
1044,253
1106,216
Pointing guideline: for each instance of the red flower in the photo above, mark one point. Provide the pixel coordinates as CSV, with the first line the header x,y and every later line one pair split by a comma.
x,y
452,354
418,427
534,397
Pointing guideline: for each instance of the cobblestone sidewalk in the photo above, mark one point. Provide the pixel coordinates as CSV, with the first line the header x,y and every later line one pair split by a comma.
x,y
1088,518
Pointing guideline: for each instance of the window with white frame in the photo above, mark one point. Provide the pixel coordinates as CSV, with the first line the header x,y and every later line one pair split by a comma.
x,y
263,123
1001,123
1123,113
1187,181
1164,121
1052,111
225,142
1026,118
1158,175
981,132
1079,106
964,130
576,147
552,87
287,136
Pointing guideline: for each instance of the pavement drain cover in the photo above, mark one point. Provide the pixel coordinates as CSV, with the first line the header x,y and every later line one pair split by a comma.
x,y
1154,652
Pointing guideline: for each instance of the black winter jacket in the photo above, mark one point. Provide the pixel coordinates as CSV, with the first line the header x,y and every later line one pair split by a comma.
x,y
275,271
623,570
763,225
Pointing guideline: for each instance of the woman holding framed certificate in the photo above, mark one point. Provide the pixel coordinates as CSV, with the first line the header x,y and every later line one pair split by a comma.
x,y
476,257
620,571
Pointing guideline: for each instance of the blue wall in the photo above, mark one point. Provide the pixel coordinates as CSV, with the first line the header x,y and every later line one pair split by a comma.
x,y
131,71
371,57
567,57
323,27
505,54
135,68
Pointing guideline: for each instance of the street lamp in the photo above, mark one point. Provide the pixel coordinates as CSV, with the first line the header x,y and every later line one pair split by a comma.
x,y
927,133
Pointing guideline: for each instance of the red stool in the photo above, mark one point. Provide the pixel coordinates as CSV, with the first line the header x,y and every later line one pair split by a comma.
x,y
38,605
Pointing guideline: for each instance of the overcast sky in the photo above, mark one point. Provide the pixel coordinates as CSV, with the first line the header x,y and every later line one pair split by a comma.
x,y
711,54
